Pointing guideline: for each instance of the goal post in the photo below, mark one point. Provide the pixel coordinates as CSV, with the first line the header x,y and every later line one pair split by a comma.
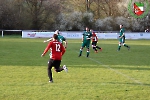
x,y
11,32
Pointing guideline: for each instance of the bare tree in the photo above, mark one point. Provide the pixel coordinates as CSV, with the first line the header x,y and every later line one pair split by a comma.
x,y
68,14
40,10
8,15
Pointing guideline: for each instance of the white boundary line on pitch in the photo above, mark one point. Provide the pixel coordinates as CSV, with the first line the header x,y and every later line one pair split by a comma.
x,y
118,72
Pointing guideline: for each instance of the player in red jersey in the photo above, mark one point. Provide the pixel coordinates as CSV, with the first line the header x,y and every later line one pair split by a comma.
x,y
57,51
94,42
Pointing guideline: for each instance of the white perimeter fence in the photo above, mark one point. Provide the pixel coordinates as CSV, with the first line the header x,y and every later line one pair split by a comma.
x,y
78,34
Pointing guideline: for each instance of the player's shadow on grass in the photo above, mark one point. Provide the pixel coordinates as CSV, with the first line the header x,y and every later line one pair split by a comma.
x,y
121,83
119,67
131,68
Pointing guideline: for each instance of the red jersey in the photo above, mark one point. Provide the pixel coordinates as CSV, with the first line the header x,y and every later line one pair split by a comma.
x,y
94,37
56,48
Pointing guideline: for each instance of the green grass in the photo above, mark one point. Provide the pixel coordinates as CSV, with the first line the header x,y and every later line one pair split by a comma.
x,y
107,75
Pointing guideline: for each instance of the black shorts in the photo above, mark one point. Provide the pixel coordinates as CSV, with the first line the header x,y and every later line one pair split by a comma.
x,y
54,63
94,43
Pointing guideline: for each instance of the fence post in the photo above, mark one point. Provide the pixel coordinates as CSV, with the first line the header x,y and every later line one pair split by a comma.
x,y
2,33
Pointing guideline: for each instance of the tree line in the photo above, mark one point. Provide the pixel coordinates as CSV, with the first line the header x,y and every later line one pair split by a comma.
x,y
67,15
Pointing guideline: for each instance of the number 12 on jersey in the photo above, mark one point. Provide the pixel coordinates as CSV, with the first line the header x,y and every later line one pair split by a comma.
x,y
57,47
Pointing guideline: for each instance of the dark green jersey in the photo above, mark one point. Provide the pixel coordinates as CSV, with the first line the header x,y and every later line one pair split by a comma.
x,y
61,38
86,36
122,30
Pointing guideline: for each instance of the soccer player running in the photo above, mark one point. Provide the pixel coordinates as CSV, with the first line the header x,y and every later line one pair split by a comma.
x,y
94,42
61,39
57,51
122,38
86,39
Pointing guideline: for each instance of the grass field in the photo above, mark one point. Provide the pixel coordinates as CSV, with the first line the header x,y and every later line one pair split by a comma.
x,y
107,75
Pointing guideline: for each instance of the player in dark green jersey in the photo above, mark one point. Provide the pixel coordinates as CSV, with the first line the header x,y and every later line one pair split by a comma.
x,y
61,39
122,38
86,40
